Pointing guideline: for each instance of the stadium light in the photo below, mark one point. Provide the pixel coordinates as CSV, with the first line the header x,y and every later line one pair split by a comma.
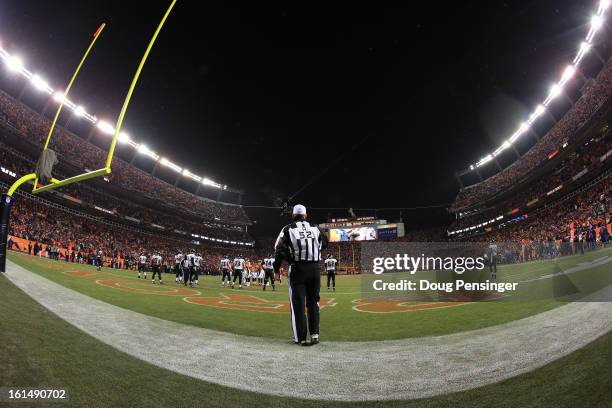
x,y
14,64
40,84
597,21
173,166
106,127
209,182
192,176
145,150
539,110
555,91
123,138
59,96
79,111
568,73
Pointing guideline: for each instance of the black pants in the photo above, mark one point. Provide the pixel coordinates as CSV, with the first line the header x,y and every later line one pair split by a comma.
x,y
304,288
193,273
156,270
177,270
331,275
269,274
225,273
238,275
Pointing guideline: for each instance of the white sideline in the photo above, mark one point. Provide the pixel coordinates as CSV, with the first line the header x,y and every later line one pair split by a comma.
x,y
380,370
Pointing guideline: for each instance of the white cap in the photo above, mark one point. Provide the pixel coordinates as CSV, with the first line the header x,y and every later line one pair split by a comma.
x,y
299,210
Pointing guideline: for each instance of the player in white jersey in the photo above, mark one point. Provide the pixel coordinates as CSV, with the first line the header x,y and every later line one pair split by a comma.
x,y
225,270
142,265
268,265
178,259
197,261
238,270
156,262
331,264
190,268
99,257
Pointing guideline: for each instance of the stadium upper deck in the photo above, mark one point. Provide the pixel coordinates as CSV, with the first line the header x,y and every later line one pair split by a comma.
x,y
77,152
595,95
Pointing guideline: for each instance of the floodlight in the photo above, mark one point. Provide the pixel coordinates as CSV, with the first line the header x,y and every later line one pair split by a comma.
x,y
106,127
39,83
539,110
123,138
596,22
79,111
585,47
569,72
14,64
555,91
59,96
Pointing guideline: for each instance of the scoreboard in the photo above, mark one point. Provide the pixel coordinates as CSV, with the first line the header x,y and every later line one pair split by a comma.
x,y
362,229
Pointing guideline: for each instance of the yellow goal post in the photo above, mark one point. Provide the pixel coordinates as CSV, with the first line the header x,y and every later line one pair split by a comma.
x,y
107,168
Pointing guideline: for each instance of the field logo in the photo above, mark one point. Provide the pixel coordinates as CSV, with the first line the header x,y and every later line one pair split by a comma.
x,y
399,305
133,287
249,303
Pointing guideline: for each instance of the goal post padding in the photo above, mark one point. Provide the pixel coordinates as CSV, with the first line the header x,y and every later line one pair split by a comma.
x,y
5,212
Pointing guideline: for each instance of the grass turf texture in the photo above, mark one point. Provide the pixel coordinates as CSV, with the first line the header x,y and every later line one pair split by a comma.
x,y
338,323
40,349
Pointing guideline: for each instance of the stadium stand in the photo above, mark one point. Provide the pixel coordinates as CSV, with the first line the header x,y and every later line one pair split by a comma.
x,y
43,228
594,95
81,154
100,202
551,202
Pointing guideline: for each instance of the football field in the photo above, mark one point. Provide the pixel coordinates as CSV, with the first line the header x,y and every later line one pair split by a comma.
x,y
100,342
348,314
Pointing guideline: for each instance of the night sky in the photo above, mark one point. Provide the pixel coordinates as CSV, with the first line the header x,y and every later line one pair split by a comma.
x,y
264,96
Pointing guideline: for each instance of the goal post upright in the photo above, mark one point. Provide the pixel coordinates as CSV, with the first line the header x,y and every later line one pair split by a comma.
x,y
7,199
67,91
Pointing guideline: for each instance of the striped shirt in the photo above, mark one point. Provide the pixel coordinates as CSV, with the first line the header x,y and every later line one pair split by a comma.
x,y
301,242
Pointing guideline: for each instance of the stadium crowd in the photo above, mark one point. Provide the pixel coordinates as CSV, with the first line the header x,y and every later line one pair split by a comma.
x,y
77,151
100,202
595,155
572,225
594,95
72,237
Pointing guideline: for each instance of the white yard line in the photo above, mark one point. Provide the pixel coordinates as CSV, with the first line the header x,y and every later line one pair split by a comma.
x,y
379,370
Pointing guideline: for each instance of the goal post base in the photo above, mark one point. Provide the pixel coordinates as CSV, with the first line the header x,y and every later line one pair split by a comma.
x,y
5,216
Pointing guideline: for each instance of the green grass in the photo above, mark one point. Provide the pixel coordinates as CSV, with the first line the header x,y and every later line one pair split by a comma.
x,y
338,323
39,349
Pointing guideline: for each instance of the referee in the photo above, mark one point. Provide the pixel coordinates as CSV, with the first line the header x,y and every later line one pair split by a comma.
x,y
300,244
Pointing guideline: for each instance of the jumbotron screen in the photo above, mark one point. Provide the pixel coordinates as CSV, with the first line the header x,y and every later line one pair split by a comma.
x,y
365,233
